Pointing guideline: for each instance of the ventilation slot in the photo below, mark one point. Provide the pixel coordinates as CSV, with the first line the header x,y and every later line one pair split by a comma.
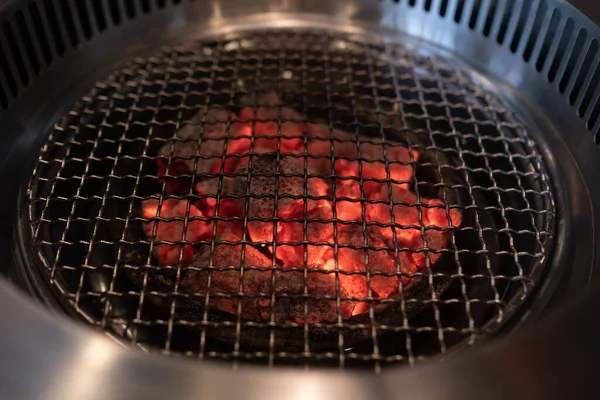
x,y
99,16
27,43
10,79
509,7
443,8
489,21
589,94
69,24
3,99
427,5
59,43
40,32
84,18
460,7
535,30
130,9
563,47
575,57
475,14
146,7
520,28
586,67
594,115
114,7
548,40
13,48
162,3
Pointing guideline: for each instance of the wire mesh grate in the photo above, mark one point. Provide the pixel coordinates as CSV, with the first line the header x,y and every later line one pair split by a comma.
x,y
306,136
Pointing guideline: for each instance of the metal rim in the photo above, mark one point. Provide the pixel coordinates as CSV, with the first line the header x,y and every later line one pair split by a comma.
x,y
562,225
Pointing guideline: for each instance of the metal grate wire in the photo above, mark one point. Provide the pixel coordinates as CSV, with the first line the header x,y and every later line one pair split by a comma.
x,y
99,164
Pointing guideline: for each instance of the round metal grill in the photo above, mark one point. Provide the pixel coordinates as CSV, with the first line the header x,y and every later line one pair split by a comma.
x,y
144,139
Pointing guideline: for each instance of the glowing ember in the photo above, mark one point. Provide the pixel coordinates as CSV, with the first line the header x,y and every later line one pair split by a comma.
x,y
307,264
172,231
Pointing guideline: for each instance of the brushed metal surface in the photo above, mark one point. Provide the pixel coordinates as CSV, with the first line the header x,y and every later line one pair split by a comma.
x,y
48,356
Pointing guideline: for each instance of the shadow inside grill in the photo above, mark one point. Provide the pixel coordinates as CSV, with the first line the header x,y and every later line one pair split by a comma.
x,y
91,240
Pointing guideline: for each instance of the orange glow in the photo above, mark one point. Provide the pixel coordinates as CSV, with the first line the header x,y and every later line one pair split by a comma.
x,y
173,231
366,231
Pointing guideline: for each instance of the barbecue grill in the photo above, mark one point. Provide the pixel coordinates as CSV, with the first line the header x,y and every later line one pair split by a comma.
x,y
352,184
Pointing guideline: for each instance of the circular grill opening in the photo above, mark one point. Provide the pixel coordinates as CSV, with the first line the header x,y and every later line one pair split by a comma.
x,y
292,197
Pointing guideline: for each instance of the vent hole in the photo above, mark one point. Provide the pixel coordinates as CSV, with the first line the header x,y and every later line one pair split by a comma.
x,y
562,49
162,3
27,42
146,6
10,80
427,5
594,115
508,12
70,25
443,8
115,12
475,14
15,52
547,43
489,22
577,51
40,33
3,98
589,94
597,137
525,8
84,18
535,30
59,43
98,12
585,70
460,7
130,9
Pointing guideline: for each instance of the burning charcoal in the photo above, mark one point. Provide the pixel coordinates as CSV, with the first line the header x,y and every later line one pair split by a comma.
x,y
321,262
224,274
349,203
292,256
408,226
320,143
261,200
352,170
270,107
350,200
229,206
262,193
179,179
174,211
237,154
379,262
264,166
270,134
298,309
351,260
401,172
264,120
291,185
316,232
210,133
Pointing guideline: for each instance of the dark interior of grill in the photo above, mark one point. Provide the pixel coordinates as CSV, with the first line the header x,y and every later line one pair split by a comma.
x,y
100,163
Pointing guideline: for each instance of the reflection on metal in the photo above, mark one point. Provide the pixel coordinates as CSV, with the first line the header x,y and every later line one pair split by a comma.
x,y
52,358
40,351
